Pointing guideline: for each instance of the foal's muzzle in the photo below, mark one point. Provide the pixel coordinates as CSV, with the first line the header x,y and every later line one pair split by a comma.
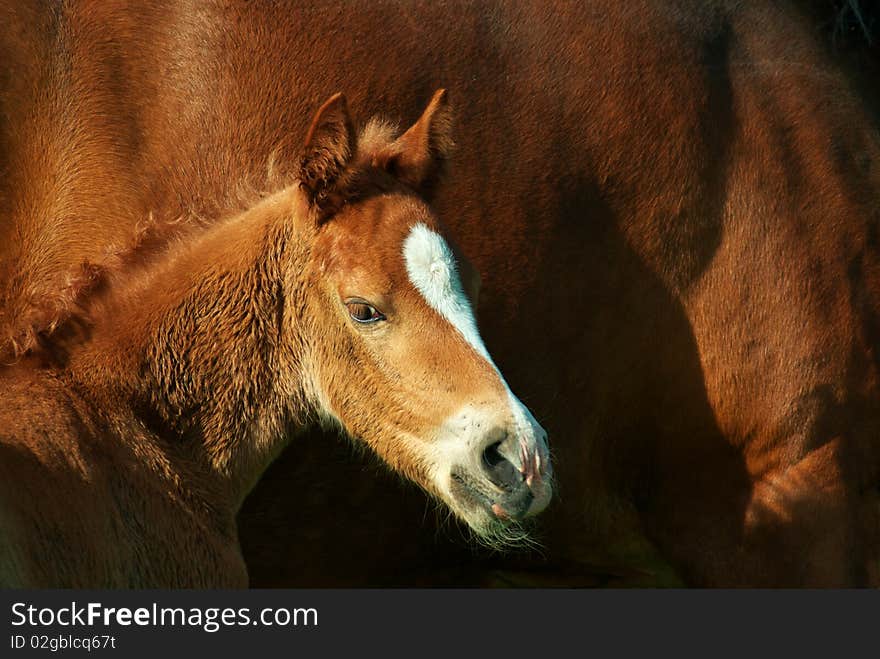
x,y
506,478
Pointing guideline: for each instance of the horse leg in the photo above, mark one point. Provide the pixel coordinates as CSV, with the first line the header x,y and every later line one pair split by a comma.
x,y
808,523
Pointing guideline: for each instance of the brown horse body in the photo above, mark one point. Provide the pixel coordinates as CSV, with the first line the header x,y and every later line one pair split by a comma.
x,y
673,210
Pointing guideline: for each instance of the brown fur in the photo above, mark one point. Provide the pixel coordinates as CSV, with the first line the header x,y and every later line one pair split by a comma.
x,y
673,209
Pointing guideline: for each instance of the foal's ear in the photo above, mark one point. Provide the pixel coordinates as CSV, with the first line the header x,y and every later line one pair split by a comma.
x,y
417,157
329,147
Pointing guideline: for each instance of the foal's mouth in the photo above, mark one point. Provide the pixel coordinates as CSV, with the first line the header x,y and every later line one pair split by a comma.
x,y
499,520
499,504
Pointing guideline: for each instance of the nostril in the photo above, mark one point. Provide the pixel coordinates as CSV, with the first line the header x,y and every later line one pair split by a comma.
x,y
492,456
499,469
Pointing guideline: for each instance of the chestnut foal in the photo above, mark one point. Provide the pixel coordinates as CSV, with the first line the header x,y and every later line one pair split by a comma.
x,y
124,461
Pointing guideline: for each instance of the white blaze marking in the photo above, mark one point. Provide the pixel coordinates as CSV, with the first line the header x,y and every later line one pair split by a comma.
x,y
432,270
431,267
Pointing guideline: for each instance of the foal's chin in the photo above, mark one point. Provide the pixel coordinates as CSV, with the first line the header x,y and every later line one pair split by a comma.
x,y
501,519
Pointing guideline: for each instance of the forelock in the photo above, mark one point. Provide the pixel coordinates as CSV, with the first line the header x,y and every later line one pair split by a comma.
x,y
377,136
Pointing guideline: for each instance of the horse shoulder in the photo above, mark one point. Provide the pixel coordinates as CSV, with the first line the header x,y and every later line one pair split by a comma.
x,y
67,479
44,476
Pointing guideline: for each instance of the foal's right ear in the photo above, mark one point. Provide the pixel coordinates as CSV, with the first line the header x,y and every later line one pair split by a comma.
x,y
329,147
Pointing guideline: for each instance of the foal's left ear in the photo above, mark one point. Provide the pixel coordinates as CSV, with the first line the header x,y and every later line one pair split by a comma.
x,y
417,157
329,147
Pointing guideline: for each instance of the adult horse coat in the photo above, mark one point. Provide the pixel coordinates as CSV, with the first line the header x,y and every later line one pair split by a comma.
x,y
673,208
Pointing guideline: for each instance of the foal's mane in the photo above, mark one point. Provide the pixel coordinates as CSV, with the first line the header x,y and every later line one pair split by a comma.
x,y
42,313
45,316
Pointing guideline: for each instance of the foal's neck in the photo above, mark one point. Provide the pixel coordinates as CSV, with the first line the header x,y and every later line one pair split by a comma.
x,y
198,351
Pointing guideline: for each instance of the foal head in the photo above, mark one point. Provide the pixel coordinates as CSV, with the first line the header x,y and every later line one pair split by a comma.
x,y
392,349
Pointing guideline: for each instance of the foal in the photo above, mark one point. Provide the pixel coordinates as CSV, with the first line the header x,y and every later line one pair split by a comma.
x,y
335,299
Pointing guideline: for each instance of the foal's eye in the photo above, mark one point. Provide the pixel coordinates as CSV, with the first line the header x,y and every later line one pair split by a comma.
x,y
362,312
